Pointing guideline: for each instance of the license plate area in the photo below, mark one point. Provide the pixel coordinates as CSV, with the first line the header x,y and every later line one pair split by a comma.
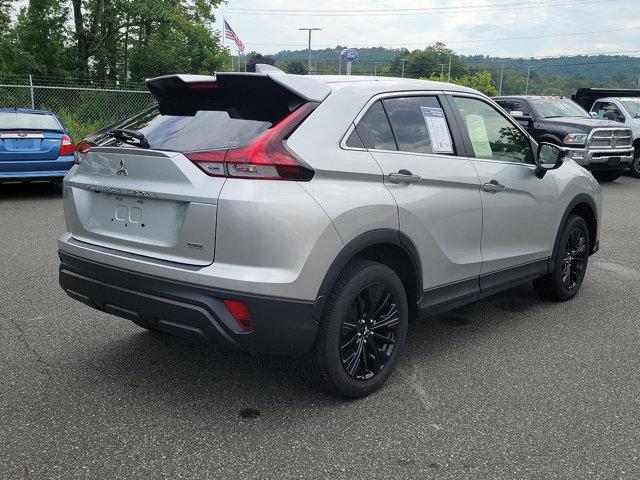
x,y
135,219
613,161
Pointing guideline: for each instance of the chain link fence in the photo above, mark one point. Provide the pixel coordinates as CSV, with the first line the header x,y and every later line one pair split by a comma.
x,y
82,108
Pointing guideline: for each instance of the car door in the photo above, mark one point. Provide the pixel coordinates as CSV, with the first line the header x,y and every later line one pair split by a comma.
x,y
518,208
435,186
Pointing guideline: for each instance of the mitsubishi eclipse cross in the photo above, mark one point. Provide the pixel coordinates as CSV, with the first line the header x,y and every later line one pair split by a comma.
x,y
318,215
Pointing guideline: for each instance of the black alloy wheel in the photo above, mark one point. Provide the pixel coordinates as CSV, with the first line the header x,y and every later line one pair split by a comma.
x,y
362,332
574,260
570,262
368,332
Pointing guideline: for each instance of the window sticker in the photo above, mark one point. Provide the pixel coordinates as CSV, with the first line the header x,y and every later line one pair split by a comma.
x,y
478,135
438,130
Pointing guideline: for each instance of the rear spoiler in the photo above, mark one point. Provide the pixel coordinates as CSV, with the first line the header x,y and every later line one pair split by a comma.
x,y
586,97
268,82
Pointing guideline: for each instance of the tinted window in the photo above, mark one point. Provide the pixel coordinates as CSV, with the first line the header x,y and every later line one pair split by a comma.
x,y
353,140
374,129
28,121
603,107
520,106
206,129
419,124
492,135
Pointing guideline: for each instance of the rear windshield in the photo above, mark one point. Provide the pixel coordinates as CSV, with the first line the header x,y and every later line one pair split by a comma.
x,y
202,130
28,121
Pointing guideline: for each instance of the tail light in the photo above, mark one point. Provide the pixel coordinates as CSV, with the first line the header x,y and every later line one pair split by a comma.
x,y
66,146
267,157
81,151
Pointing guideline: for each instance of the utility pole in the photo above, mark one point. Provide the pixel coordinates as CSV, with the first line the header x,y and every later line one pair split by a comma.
x,y
309,46
501,77
442,69
449,74
403,60
375,68
526,86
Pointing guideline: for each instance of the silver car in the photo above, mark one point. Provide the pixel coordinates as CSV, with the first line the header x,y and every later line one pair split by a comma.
x,y
308,215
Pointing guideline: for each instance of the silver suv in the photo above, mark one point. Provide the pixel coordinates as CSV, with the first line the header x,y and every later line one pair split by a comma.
x,y
277,213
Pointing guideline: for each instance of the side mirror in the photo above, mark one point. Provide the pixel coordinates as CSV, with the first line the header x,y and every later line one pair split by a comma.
x,y
594,114
548,157
516,113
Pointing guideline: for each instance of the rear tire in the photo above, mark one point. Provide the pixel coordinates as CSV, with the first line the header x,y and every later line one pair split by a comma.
x,y
570,264
362,332
634,168
605,177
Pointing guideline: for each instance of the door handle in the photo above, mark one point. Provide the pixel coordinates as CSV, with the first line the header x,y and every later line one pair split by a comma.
x,y
404,176
493,187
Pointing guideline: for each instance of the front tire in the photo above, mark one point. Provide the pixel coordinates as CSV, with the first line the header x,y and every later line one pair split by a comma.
x,y
570,264
634,168
609,176
362,332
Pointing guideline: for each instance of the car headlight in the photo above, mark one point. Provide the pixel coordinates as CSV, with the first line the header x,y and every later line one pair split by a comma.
x,y
575,139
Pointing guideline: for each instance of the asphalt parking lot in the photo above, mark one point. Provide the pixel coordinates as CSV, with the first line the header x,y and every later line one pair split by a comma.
x,y
512,387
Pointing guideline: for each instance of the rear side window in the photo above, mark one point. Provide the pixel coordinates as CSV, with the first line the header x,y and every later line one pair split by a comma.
x,y
419,125
29,121
374,129
202,130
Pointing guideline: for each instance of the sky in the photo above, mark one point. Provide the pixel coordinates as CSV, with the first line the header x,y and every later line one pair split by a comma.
x,y
490,27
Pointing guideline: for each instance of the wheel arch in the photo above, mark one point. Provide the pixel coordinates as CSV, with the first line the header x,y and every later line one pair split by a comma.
x,y
584,206
387,246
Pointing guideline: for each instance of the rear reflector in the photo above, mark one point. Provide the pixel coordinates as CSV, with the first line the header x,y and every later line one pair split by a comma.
x,y
267,157
66,146
240,314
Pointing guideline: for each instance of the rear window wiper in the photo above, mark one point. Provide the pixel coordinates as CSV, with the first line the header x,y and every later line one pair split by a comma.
x,y
131,137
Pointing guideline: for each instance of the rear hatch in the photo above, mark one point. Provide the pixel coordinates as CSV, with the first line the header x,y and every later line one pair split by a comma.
x,y
150,185
26,136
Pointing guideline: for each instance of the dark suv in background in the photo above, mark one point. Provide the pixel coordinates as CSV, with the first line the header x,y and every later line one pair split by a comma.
x,y
604,147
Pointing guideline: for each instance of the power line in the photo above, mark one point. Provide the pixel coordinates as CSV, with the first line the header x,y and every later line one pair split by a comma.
x,y
410,11
482,40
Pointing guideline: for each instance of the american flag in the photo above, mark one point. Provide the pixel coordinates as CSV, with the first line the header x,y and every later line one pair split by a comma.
x,y
229,33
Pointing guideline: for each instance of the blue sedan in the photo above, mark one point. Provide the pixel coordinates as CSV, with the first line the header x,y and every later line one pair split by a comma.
x,y
34,145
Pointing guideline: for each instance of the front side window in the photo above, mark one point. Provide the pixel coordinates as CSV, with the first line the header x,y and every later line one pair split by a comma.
x,y
419,125
601,108
374,129
492,136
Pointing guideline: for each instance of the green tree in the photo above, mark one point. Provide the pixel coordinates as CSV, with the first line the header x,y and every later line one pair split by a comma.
x,y
431,61
481,81
253,58
295,67
41,39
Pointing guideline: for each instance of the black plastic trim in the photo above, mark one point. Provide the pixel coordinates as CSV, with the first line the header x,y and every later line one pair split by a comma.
x,y
495,282
580,198
349,251
280,325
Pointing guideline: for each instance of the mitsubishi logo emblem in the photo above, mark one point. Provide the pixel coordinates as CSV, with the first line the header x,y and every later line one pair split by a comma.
x,y
122,170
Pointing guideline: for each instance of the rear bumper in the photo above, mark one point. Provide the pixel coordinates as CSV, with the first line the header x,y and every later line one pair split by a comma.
x,y
25,170
190,311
